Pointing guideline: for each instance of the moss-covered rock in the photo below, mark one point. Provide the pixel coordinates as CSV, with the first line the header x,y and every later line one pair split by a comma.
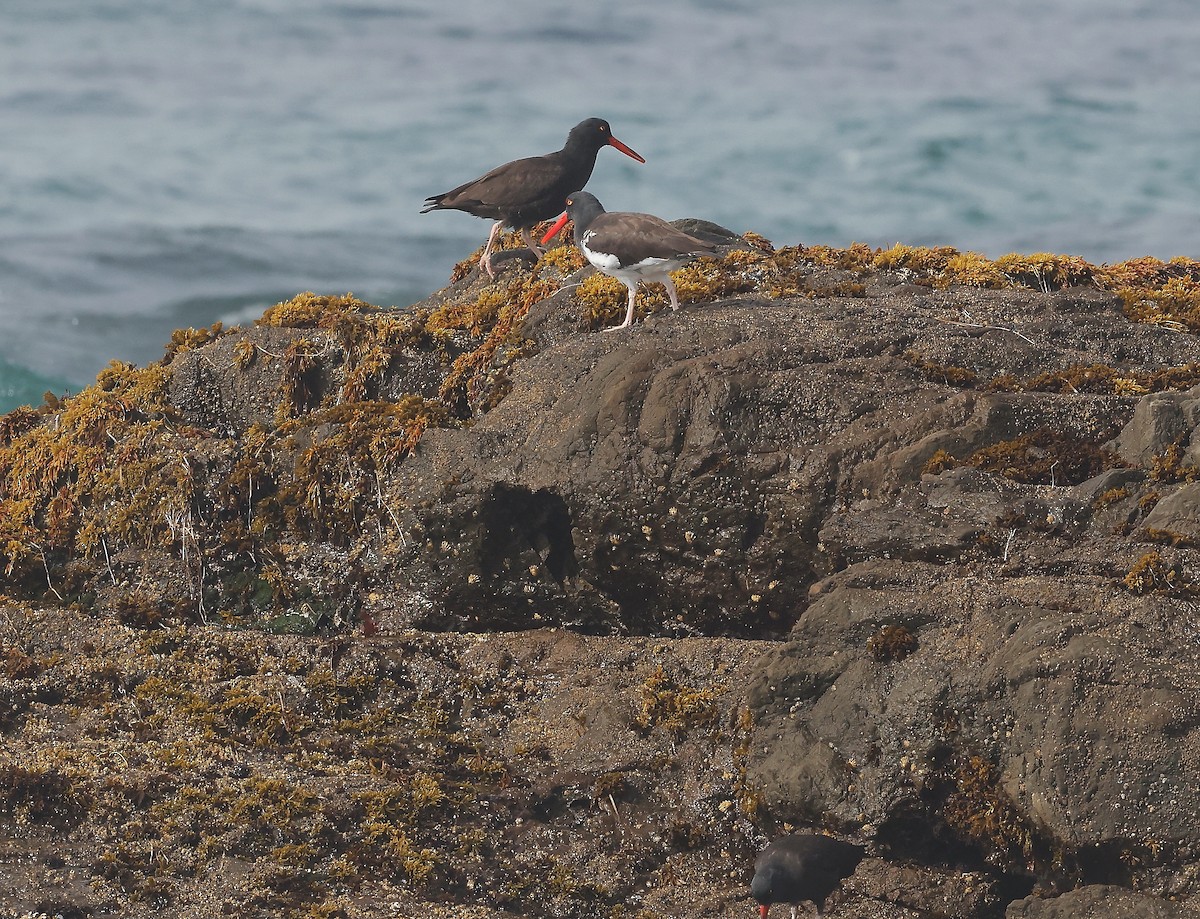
x,y
461,610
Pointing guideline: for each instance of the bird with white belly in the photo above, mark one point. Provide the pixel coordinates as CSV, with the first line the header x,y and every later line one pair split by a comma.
x,y
630,247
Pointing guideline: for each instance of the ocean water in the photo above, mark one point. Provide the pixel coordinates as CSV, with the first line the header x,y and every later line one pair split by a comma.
x,y
173,164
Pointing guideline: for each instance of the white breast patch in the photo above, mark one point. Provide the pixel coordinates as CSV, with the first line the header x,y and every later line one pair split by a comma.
x,y
605,261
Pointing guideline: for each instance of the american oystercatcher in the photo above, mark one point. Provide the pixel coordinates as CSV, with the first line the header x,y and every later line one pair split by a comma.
x,y
527,191
629,247
801,867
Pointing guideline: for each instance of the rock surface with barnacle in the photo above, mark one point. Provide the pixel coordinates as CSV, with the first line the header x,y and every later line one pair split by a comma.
x,y
462,610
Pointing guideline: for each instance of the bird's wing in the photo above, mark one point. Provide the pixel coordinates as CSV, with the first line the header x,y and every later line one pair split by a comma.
x,y
632,237
839,860
505,186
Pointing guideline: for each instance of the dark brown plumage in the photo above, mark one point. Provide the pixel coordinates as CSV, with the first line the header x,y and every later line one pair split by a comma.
x,y
802,867
633,238
527,191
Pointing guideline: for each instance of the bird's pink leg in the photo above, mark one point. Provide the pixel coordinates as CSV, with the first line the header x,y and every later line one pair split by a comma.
x,y
486,260
534,247
629,312
671,292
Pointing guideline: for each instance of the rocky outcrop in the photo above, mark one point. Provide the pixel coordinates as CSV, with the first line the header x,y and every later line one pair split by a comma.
x,y
1096,902
1030,724
841,543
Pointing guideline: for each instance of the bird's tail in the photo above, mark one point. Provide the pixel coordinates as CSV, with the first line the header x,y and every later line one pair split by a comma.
x,y
432,203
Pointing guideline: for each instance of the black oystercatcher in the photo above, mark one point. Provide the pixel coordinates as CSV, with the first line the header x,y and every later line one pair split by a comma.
x,y
802,867
525,192
630,247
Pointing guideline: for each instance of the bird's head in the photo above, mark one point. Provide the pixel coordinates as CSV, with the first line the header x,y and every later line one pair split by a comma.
x,y
595,133
762,887
581,207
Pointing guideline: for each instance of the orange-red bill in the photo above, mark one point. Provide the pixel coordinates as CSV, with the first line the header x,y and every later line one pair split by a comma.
x,y
626,150
558,225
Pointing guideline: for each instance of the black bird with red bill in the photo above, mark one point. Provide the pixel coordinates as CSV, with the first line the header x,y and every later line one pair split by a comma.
x,y
802,867
525,192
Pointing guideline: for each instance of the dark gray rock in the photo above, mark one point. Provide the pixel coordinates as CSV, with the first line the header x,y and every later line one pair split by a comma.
x,y
1100,902
1178,512
1030,717
1160,421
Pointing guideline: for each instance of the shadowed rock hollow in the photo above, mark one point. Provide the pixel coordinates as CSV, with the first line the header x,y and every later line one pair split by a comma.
x,y
468,610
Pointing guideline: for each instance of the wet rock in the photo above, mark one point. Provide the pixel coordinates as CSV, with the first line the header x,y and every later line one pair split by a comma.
x,y
1100,902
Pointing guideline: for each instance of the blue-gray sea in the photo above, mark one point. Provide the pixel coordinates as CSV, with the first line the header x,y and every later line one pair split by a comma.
x,y
171,164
